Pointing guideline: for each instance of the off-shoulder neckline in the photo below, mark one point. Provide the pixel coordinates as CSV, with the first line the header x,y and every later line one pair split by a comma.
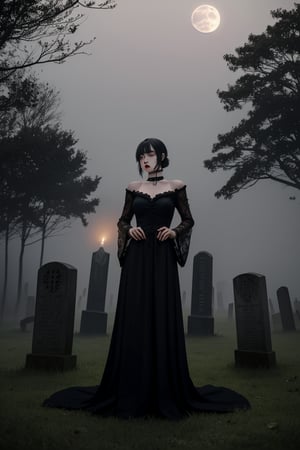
x,y
160,194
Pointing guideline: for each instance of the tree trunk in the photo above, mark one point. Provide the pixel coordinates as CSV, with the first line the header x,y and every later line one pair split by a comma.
x,y
4,291
20,275
42,244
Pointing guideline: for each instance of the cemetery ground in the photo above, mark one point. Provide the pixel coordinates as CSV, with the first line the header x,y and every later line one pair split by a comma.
x,y
272,423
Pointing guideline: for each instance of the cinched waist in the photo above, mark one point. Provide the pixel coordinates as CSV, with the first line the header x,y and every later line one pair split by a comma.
x,y
151,230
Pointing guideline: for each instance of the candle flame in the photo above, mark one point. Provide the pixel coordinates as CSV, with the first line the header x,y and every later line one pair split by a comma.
x,y
102,241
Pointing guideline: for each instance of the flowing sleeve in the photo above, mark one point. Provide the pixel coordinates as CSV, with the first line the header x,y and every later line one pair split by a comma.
x,y
124,226
184,229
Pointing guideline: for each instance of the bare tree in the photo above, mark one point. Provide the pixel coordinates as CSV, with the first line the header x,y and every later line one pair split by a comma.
x,y
41,31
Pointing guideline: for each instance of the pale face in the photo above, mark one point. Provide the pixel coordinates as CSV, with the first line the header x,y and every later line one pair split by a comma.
x,y
148,162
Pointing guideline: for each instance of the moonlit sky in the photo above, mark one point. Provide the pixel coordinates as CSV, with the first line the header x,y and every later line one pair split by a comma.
x,y
151,74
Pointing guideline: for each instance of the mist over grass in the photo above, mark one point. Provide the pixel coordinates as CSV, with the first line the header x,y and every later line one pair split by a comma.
x,y
272,423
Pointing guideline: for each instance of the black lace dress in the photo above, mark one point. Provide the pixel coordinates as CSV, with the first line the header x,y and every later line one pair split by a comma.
x,y
146,372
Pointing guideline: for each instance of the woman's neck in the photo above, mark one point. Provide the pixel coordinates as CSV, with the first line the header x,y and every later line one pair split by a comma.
x,y
155,174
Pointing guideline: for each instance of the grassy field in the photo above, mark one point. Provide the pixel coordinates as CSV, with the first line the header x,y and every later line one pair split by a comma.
x,y
272,423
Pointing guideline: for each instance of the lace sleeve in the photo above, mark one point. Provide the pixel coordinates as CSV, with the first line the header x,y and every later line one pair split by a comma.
x,y
184,229
124,226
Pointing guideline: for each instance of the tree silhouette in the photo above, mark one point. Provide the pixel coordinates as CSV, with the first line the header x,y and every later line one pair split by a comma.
x,y
45,186
37,32
265,144
8,226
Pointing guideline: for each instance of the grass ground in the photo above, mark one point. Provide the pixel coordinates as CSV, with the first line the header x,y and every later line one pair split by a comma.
x,y
272,423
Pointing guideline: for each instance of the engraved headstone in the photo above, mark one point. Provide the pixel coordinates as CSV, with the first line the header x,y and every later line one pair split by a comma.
x,y
285,308
252,322
201,321
52,339
94,318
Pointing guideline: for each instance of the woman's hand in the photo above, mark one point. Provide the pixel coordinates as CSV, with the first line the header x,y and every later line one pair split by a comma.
x,y
137,233
165,233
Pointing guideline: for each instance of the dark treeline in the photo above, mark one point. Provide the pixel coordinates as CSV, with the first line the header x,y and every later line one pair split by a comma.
x,y
43,181
42,175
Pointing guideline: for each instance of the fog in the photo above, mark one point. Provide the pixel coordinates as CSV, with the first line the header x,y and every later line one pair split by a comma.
x,y
151,74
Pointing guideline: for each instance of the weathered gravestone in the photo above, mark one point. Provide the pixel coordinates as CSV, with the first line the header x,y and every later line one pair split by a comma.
x,y
252,322
285,308
201,322
54,318
94,319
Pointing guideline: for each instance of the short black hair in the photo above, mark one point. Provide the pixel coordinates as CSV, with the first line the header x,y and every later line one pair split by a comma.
x,y
149,144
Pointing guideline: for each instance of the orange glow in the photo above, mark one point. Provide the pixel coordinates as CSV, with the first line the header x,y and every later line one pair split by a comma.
x,y
103,231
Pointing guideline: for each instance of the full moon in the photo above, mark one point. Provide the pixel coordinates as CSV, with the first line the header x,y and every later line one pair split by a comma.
x,y
206,18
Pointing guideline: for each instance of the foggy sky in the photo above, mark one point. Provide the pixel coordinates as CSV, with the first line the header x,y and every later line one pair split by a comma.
x,y
151,74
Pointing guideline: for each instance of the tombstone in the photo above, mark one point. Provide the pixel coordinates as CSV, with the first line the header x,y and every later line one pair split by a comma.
x,y
252,322
201,322
285,308
25,322
52,339
230,311
94,319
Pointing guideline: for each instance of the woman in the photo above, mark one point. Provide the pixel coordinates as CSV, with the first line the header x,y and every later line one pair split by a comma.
x,y
146,371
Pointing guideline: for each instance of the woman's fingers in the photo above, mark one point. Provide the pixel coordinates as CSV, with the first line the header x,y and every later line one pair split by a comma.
x,y
137,233
165,233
